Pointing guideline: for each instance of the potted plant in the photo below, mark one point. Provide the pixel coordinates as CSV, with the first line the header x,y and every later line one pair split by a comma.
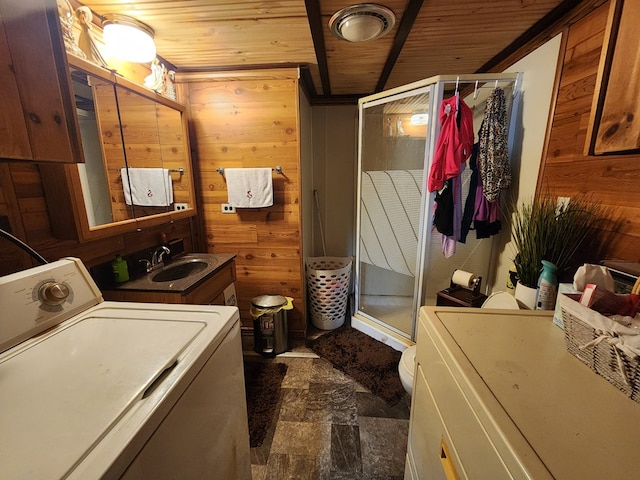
x,y
544,230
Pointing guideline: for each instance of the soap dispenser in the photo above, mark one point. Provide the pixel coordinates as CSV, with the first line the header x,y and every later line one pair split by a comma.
x,y
120,269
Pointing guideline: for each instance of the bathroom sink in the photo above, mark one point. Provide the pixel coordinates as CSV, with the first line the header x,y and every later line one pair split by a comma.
x,y
177,271
182,274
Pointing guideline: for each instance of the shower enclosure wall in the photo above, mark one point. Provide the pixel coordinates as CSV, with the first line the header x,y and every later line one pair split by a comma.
x,y
399,261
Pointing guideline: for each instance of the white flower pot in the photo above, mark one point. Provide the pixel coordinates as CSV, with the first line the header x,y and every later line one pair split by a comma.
x,y
526,296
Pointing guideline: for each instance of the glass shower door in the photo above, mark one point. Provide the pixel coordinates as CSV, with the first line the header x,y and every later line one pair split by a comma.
x,y
393,142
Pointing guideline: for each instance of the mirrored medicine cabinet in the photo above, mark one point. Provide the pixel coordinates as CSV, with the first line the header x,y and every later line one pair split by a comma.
x,y
123,126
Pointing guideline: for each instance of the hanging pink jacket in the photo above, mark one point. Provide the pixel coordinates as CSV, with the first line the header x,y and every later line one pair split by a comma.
x,y
454,143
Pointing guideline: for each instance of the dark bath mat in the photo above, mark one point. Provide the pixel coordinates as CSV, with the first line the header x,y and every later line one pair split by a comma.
x,y
262,380
371,363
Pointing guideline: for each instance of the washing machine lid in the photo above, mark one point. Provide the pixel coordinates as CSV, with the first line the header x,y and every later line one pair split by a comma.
x,y
62,393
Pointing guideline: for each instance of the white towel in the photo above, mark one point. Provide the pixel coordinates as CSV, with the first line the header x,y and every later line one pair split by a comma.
x,y
147,187
249,187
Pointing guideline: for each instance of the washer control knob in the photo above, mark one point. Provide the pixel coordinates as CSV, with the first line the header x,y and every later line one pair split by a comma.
x,y
53,293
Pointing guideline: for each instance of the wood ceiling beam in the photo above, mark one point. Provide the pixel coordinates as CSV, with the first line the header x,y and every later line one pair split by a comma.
x,y
408,19
315,24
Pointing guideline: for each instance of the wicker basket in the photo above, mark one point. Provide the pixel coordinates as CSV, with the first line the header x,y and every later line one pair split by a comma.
x,y
596,348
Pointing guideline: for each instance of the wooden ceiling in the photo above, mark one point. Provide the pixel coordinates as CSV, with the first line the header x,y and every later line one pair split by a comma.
x,y
430,37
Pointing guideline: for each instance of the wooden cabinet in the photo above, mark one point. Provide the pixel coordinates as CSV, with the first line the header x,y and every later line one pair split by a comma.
x,y
206,293
615,113
37,119
122,126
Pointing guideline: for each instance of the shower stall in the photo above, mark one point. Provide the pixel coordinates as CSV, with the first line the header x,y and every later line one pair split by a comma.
x,y
399,263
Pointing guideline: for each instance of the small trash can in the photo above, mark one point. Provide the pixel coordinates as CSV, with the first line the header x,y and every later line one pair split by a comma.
x,y
269,314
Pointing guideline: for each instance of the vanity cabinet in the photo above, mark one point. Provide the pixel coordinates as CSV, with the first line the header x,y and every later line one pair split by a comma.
x,y
208,292
37,119
496,395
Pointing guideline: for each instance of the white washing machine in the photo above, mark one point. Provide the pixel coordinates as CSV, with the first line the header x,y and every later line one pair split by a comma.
x,y
94,389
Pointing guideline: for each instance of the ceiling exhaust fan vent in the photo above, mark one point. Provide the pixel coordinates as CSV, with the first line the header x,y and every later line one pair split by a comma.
x,y
362,23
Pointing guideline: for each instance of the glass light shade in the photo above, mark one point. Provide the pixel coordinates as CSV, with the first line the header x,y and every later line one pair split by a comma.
x,y
128,39
362,22
361,28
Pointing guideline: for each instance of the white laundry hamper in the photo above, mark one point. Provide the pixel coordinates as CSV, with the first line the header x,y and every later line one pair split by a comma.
x,y
328,280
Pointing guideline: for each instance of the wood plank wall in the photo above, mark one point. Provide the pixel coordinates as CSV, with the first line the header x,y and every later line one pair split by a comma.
x,y
23,206
612,180
251,120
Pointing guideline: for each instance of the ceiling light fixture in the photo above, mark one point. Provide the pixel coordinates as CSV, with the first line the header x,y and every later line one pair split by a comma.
x,y
128,39
362,23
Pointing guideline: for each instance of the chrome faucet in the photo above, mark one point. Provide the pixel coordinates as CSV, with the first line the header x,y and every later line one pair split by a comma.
x,y
157,259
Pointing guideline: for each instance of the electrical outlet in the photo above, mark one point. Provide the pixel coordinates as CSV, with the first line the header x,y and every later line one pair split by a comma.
x,y
180,206
562,203
227,208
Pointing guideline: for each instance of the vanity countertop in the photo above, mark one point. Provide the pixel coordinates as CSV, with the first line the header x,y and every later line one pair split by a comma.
x,y
215,262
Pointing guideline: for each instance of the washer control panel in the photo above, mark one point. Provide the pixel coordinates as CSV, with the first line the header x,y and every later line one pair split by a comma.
x,y
41,297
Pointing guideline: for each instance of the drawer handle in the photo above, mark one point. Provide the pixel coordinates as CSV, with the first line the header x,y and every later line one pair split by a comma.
x,y
447,464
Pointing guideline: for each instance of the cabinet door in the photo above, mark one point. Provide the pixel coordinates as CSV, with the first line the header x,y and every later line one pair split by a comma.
x,y
13,128
34,53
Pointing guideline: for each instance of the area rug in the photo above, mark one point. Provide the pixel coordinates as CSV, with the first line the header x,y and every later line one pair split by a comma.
x,y
371,363
262,383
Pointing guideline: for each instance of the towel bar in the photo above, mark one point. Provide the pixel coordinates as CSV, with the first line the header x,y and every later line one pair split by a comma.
x,y
171,170
277,169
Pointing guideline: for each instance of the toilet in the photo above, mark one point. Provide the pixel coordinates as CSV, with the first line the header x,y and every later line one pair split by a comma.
x,y
407,365
501,300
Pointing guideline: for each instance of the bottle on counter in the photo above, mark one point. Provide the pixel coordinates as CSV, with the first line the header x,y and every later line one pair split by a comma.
x,y
512,279
547,287
120,269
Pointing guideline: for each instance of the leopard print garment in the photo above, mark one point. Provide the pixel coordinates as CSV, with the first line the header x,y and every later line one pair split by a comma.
x,y
493,155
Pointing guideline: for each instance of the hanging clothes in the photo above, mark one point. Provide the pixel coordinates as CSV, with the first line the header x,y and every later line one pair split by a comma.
x,y
470,202
454,142
443,215
486,218
493,155
449,241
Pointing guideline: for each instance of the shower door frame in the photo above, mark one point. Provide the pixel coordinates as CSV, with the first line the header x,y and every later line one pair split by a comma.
x,y
435,87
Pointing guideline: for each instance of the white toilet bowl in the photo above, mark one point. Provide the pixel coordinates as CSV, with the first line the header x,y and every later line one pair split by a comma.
x,y
501,300
406,368
407,365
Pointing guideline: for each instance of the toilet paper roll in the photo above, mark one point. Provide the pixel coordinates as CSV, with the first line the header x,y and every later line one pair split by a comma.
x,y
463,279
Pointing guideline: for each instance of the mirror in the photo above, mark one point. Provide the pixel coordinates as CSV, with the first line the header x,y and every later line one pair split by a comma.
x,y
99,123
126,130
143,157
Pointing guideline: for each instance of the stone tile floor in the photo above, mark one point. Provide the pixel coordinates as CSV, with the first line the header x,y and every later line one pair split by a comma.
x,y
328,427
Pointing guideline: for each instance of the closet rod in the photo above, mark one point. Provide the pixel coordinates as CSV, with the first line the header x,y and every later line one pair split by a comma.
x,y
277,169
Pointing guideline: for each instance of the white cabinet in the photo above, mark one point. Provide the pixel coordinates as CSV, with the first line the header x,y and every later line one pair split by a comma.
x,y
497,396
